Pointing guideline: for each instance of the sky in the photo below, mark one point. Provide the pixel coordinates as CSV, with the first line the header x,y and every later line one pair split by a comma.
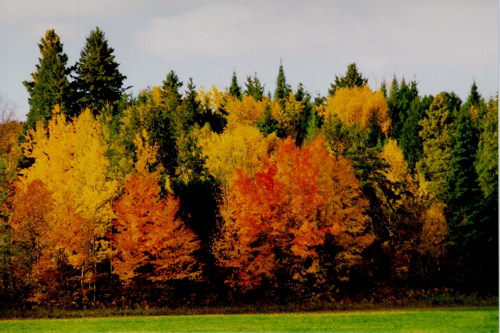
x,y
444,45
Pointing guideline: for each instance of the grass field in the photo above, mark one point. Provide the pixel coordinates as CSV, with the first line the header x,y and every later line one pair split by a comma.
x,y
431,320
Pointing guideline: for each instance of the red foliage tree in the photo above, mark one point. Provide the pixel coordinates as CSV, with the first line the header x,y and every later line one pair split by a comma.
x,y
276,220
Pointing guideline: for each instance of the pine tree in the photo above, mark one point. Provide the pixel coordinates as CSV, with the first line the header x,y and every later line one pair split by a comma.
x,y
351,79
50,86
235,89
97,82
282,88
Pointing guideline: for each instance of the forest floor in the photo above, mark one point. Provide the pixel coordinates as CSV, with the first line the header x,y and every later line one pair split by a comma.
x,y
465,319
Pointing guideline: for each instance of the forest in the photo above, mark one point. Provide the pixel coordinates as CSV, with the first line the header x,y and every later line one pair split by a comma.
x,y
235,196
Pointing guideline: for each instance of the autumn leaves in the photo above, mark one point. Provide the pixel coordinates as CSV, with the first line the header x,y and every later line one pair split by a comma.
x,y
279,204
275,220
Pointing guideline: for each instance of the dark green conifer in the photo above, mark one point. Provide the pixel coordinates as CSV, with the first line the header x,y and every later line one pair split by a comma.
x,y
235,89
282,88
254,88
266,124
409,141
437,136
352,78
97,81
50,86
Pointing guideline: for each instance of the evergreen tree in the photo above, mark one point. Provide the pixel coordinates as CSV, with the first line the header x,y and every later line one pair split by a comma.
x,y
303,96
97,81
266,124
312,127
392,102
235,89
254,88
487,155
462,189
475,106
50,86
383,88
399,103
164,133
410,142
437,139
282,88
351,79
473,212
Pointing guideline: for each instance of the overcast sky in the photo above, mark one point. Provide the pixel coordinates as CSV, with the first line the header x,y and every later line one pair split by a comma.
x,y
444,45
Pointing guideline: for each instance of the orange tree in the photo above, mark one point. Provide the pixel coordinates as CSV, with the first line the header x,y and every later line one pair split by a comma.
x,y
276,222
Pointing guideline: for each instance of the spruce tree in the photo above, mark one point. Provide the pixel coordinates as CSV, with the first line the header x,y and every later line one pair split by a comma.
x,y
410,142
392,102
383,88
165,131
462,189
302,126
50,86
254,88
399,103
266,124
97,81
352,78
235,89
487,155
437,136
282,88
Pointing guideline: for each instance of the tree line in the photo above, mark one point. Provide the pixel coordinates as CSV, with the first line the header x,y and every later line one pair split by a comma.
x,y
234,196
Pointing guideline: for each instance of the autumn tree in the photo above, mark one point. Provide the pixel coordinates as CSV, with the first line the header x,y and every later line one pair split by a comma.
x,y
287,113
415,231
275,220
150,241
32,244
359,105
50,86
98,82
244,148
82,196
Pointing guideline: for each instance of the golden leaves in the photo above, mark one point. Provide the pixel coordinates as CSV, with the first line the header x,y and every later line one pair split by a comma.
x,y
359,105
392,154
70,159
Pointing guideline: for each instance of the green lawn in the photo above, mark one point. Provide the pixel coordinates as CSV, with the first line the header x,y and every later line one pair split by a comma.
x,y
430,320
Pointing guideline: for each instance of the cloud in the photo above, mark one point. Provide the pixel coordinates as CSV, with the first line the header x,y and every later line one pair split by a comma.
x,y
236,29
383,32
